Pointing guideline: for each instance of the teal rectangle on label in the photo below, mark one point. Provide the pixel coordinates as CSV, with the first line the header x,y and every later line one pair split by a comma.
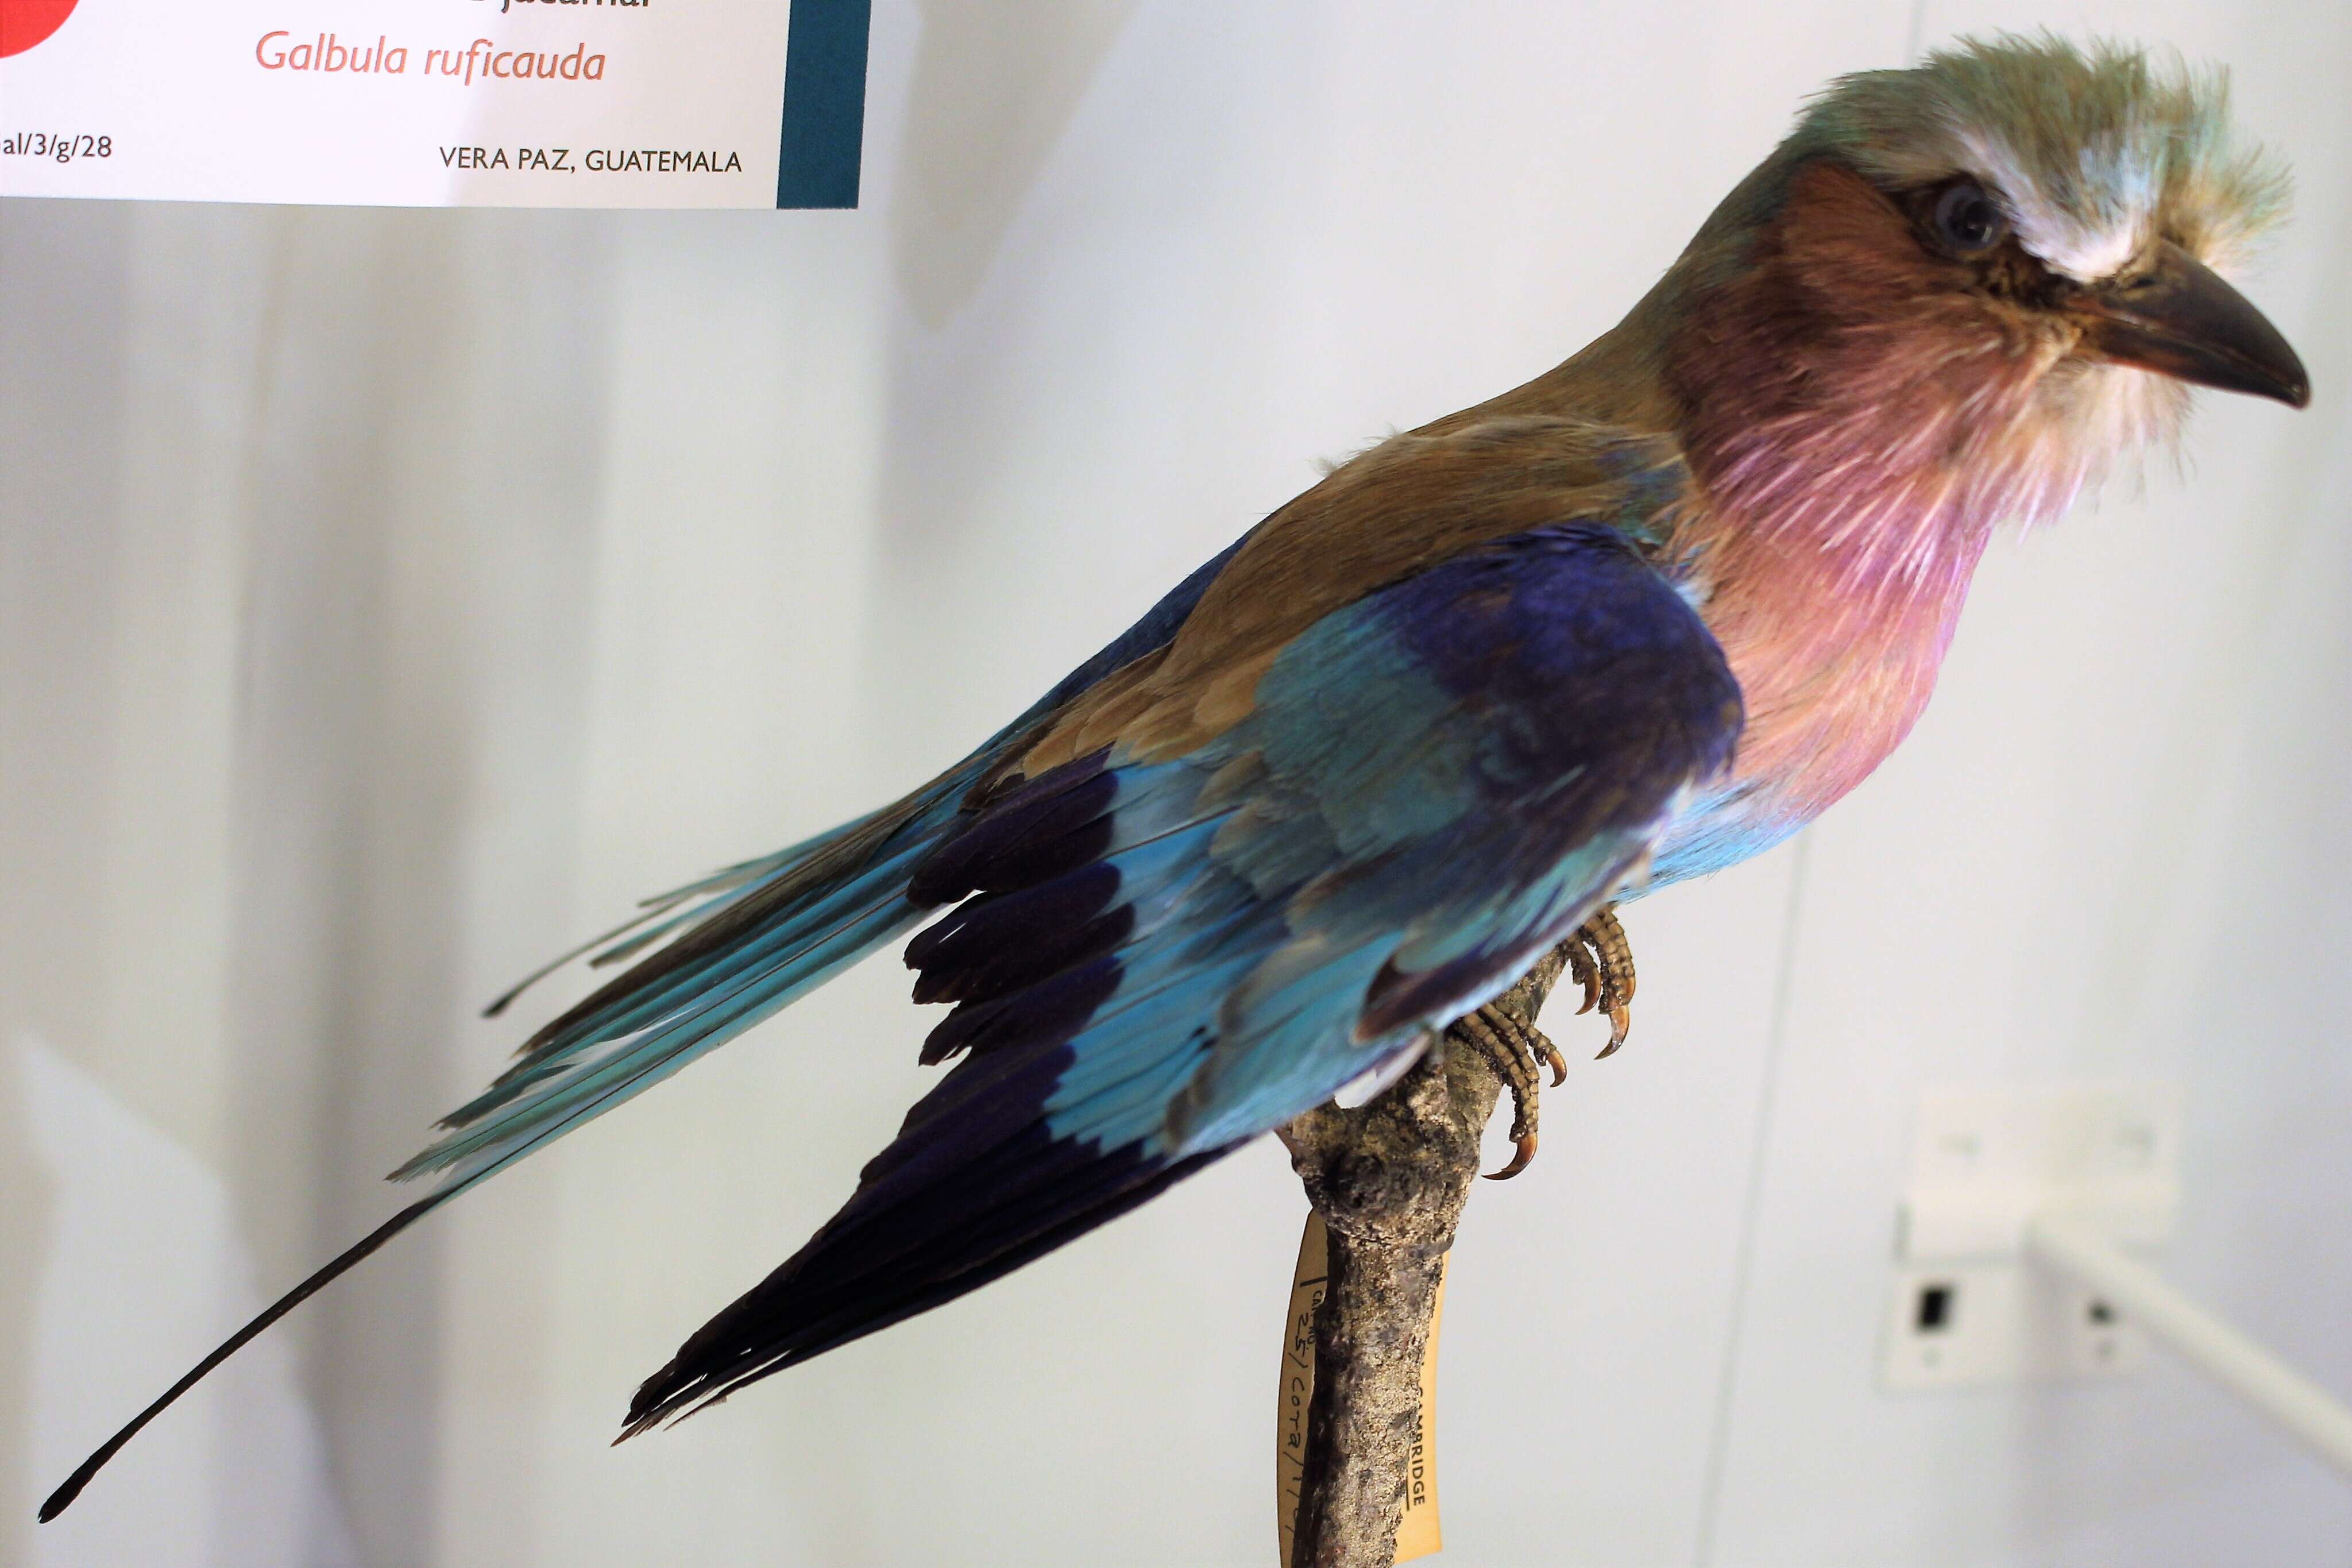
x,y
824,104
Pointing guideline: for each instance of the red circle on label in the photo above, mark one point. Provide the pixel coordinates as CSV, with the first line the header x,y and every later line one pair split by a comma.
x,y
24,22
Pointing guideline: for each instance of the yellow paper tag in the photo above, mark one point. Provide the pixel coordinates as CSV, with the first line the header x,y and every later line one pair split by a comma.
x,y
1417,1534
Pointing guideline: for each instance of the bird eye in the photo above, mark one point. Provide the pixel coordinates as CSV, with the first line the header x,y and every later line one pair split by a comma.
x,y
1967,220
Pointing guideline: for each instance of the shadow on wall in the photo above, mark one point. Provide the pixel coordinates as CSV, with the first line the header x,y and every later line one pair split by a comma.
x,y
27,1223
995,87
349,751
134,1220
420,538
325,400
56,632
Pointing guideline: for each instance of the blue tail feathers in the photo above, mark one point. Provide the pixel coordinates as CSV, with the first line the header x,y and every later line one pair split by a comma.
x,y
706,961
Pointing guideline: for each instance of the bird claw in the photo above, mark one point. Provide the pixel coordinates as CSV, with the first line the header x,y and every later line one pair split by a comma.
x,y
1581,970
1552,1058
1517,1052
1621,1019
1601,961
1524,1156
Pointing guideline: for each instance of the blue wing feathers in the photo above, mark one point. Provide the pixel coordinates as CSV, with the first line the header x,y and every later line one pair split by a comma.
x,y
1162,960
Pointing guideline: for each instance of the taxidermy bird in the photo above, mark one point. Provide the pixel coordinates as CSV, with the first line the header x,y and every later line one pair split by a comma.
x,y
1636,620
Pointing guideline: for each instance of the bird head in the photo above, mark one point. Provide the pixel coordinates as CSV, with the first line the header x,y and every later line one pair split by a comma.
x,y
1957,292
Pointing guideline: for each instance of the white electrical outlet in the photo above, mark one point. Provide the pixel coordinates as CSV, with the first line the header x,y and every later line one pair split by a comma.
x,y
1965,1305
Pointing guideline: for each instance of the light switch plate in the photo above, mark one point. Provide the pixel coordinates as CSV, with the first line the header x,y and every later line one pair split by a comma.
x,y
1966,1306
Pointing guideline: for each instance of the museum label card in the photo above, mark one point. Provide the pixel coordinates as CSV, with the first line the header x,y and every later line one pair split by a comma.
x,y
570,103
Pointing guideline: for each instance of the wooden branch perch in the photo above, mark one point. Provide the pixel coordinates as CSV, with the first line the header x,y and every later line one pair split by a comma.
x,y
1390,1180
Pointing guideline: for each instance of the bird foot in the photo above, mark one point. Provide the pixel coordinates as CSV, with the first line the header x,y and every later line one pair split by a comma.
x,y
1515,1051
1601,961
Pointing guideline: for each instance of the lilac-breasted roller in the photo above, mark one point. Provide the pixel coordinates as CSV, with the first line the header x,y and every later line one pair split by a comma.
x,y
1635,620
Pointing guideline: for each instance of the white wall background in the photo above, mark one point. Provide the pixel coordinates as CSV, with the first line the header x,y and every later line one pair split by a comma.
x,y
388,598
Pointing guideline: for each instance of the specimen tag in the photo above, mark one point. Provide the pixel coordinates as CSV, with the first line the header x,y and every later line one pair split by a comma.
x,y
566,104
1417,1533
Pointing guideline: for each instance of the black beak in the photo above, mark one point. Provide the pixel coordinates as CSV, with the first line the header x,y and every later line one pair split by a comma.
x,y
2181,319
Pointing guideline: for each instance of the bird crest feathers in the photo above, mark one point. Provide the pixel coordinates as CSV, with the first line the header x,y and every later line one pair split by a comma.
x,y
2095,151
